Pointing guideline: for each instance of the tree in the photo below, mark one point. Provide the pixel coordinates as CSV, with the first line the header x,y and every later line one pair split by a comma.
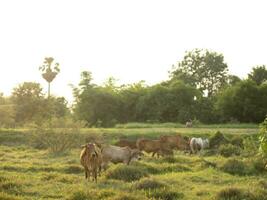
x,y
58,107
232,80
29,102
98,106
244,102
7,113
167,103
129,96
258,74
49,71
202,69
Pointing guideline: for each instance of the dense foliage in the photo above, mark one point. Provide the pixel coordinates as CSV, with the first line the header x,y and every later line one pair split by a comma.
x,y
199,89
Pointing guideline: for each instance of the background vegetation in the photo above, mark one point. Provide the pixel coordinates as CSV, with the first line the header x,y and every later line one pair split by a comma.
x,y
200,88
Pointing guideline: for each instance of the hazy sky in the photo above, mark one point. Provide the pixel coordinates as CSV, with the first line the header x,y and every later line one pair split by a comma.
x,y
130,40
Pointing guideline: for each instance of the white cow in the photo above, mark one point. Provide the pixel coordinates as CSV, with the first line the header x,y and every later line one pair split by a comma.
x,y
198,144
117,154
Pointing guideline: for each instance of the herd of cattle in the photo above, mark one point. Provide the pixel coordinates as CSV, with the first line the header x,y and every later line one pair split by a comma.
x,y
95,157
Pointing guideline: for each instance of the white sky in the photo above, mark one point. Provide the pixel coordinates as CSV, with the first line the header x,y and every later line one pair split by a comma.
x,y
129,40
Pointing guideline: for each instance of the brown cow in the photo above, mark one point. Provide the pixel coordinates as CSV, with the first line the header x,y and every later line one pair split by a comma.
x,y
126,143
91,160
175,142
153,146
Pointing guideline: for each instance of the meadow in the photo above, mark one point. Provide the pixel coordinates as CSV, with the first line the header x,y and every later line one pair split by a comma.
x,y
30,172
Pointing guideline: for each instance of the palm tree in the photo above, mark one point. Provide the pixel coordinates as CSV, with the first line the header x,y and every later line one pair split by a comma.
x,y
49,71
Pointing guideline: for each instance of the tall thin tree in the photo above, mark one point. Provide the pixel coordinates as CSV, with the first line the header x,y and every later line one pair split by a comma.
x,y
49,71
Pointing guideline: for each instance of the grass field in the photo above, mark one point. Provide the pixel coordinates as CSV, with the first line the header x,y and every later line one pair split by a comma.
x,y
30,173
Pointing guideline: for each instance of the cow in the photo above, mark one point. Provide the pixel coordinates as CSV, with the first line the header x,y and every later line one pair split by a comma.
x,y
153,146
189,124
126,143
117,154
91,160
175,142
198,144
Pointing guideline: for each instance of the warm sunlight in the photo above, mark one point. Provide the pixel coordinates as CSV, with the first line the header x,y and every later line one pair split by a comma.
x,y
133,100
129,40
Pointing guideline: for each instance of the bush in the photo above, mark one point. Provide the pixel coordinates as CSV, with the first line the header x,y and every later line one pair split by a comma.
x,y
148,183
258,165
169,159
263,138
73,169
237,141
56,141
233,193
251,146
228,150
230,194
128,197
90,194
79,195
165,194
4,196
234,167
10,187
148,168
126,173
218,139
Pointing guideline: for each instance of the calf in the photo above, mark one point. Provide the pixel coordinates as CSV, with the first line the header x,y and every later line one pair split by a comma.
x,y
126,143
91,159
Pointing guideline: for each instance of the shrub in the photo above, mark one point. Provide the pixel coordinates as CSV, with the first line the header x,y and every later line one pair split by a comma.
x,y
233,193
258,165
79,195
73,169
234,167
90,194
228,150
147,167
128,197
263,184
4,196
263,138
237,141
251,146
126,173
10,187
230,193
148,183
56,141
165,194
218,139
169,159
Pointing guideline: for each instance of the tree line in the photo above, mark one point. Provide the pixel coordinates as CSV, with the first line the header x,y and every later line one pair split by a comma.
x,y
199,87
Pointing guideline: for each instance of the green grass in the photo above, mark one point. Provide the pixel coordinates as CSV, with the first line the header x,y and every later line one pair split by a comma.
x,y
29,173
179,125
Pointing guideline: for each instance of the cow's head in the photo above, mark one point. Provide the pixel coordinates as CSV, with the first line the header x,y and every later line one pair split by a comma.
x,y
136,154
90,150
